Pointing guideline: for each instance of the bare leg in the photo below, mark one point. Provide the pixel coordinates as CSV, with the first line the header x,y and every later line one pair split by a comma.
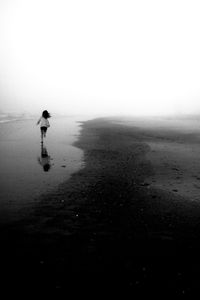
x,y
42,135
45,132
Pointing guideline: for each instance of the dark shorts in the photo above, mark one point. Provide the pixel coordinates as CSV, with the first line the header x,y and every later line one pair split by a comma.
x,y
43,129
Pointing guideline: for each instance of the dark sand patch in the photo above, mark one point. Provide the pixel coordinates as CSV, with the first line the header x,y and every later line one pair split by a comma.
x,y
107,227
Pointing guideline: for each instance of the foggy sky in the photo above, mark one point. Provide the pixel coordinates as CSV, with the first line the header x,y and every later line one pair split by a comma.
x,y
108,56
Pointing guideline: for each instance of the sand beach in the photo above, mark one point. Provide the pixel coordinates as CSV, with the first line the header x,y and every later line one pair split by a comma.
x,y
128,219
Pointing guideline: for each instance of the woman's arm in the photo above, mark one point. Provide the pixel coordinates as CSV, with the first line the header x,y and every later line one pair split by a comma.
x,y
39,120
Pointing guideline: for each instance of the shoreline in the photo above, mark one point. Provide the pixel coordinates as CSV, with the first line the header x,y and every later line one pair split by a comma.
x,y
107,224
30,168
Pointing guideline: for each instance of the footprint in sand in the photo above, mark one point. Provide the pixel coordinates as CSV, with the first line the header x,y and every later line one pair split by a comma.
x,y
175,169
196,186
144,184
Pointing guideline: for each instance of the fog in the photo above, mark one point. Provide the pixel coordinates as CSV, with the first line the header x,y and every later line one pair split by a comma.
x,y
100,57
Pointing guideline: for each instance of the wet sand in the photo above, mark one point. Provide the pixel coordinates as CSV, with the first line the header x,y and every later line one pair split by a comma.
x,y
117,224
29,168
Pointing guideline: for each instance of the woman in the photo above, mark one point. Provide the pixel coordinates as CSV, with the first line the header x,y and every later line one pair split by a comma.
x,y
44,123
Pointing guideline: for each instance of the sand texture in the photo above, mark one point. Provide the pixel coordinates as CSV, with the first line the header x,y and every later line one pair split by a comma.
x,y
125,221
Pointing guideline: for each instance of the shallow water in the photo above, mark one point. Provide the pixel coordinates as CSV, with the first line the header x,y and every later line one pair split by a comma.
x,y
28,168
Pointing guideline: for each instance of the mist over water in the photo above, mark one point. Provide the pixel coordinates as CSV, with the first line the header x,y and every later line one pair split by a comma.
x,y
100,58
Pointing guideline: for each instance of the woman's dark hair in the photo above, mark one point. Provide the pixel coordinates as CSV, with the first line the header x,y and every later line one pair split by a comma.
x,y
46,114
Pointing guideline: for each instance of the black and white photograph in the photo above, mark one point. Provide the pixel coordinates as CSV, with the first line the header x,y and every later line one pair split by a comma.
x,y
100,147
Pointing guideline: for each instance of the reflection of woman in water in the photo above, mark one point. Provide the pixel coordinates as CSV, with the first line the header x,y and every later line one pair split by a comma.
x,y
45,159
